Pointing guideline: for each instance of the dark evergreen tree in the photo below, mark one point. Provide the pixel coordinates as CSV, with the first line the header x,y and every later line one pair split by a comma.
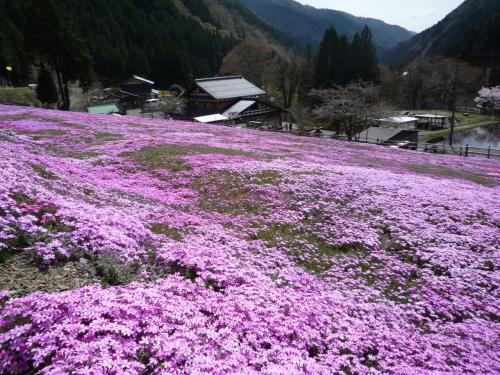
x,y
52,38
137,62
340,62
307,76
46,90
343,73
369,70
356,57
123,37
326,63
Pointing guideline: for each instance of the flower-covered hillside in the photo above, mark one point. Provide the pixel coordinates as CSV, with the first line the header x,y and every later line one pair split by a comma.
x,y
232,251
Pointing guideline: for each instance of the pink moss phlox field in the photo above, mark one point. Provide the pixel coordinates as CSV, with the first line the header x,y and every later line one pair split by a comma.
x,y
282,254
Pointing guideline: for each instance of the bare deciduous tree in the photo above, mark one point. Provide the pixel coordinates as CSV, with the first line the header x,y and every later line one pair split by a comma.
x,y
170,105
256,60
432,84
346,106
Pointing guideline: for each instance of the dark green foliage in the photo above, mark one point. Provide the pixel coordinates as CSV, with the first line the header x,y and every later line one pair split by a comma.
x,y
199,9
46,90
52,38
5,255
150,38
367,61
340,61
11,16
113,271
120,37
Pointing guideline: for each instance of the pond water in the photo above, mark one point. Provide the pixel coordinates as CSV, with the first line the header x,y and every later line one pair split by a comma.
x,y
484,137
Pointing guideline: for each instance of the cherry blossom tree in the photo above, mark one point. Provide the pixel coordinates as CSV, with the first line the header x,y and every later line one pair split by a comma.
x,y
488,99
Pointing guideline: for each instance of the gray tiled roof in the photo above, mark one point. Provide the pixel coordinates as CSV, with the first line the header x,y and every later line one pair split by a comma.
x,y
238,107
229,87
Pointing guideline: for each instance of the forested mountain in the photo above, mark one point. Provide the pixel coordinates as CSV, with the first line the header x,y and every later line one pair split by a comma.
x,y
307,25
471,32
166,40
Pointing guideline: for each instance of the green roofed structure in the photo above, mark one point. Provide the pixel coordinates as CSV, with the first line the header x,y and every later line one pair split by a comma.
x,y
105,109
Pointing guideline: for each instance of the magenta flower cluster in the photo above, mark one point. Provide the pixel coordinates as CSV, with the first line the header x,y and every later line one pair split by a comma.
x,y
282,254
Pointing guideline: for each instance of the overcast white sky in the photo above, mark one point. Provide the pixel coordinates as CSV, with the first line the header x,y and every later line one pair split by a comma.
x,y
415,15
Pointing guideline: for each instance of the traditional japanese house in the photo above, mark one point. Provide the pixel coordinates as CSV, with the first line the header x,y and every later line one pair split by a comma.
x,y
139,86
133,93
232,98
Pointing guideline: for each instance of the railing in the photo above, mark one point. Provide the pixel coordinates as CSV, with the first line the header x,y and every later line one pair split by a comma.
x,y
465,151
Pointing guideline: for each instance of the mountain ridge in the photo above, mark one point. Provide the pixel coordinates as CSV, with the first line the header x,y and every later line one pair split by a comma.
x,y
471,32
307,24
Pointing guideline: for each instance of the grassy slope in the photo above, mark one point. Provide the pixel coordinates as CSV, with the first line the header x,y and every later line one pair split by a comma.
x,y
19,95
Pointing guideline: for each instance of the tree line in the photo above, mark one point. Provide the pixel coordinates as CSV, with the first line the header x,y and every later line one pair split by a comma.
x,y
110,40
341,61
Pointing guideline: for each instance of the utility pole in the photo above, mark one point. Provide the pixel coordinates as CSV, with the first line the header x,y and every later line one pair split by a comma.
x,y
454,103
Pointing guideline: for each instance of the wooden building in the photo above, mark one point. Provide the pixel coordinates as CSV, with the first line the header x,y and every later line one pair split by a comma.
x,y
232,98
134,93
139,86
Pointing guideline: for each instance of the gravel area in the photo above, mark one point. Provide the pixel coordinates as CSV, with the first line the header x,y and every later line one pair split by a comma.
x,y
21,276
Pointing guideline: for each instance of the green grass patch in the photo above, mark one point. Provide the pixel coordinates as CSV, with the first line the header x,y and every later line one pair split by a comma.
x,y
4,138
19,95
228,193
101,138
165,230
83,155
169,156
454,174
268,178
462,119
320,260
21,198
106,137
5,255
326,253
43,172
72,154
53,132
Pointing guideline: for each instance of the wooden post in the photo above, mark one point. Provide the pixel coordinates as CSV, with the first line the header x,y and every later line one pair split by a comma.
x,y
454,104
425,150
489,150
466,150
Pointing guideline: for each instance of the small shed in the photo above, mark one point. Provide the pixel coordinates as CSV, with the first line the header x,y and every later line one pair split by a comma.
x,y
398,122
381,135
430,121
374,134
